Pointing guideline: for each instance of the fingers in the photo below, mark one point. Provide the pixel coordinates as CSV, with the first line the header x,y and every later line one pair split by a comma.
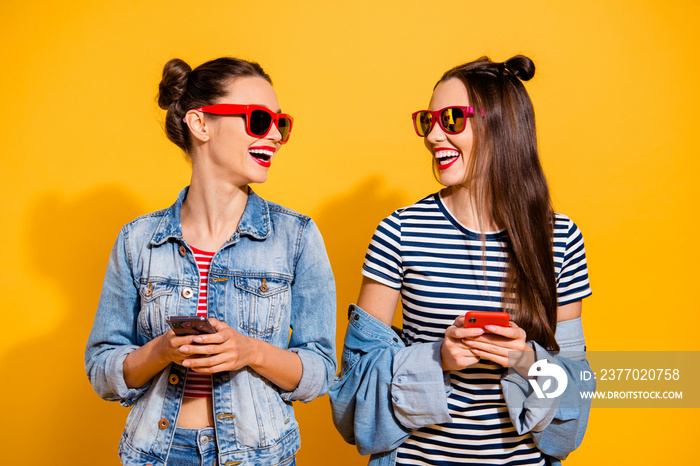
x,y
499,344
224,350
223,334
513,331
218,325
211,364
456,332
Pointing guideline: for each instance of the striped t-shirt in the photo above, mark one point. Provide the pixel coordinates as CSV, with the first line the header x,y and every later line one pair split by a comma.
x,y
199,385
443,269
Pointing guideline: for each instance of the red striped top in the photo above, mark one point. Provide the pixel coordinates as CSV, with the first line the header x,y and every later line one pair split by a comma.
x,y
199,385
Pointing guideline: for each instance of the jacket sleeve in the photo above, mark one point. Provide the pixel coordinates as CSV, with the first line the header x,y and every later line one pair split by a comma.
x,y
557,424
313,317
386,390
113,334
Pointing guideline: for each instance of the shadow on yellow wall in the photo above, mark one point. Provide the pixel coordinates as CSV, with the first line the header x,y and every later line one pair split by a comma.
x,y
69,241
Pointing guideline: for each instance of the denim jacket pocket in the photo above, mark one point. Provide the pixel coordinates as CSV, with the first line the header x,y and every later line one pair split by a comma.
x,y
261,300
155,300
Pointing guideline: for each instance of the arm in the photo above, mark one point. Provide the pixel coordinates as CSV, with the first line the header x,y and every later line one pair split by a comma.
x,y
378,300
114,337
142,364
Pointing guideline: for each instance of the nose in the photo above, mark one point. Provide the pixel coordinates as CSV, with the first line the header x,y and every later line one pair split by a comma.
x,y
274,133
436,134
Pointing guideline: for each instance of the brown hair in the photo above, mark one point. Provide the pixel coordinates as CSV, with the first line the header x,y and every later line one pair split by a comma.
x,y
182,89
505,174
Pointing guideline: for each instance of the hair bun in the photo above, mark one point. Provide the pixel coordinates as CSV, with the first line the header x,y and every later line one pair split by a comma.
x,y
173,83
521,66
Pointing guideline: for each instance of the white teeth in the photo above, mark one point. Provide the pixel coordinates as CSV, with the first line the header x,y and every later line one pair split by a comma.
x,y
269,153
446,153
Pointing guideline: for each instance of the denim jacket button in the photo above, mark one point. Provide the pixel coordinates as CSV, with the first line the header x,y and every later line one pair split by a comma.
x,y
174,379
183,251
187,293
163,424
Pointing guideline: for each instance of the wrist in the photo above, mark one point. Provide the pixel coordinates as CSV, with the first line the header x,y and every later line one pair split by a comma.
x,y
255,353
525,360
159,348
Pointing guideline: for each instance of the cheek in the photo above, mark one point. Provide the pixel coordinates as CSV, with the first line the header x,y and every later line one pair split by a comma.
x,y
465,143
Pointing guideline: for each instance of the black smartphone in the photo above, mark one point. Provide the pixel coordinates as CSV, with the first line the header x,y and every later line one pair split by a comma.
x,y
190,325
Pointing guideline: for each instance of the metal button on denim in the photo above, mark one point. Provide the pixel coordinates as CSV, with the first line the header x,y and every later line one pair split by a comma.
x,y
187,293
204,440
183,251
163,424
174,379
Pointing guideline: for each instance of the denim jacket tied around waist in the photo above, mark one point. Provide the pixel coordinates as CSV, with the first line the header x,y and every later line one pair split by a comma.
x,y
387,390
271,280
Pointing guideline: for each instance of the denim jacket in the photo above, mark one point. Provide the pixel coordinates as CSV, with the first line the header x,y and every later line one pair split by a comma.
x,y
271,280
387,390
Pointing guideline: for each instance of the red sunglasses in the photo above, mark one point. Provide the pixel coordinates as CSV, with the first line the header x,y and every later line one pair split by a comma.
x,y
452,120
258,119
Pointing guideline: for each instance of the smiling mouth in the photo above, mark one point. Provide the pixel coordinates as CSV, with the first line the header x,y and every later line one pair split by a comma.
x,y
446,157
262,155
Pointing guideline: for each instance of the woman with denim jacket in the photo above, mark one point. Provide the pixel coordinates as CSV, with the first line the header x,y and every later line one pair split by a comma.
x,y
444,392
257,270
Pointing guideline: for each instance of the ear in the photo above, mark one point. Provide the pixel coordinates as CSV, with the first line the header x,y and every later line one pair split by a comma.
x,y
198,127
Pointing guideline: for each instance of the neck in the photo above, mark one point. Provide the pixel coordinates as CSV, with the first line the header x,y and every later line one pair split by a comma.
x,y
463,204
211,212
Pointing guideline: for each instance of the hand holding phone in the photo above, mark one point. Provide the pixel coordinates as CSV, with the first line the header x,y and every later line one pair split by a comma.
x,y
477,319
190,325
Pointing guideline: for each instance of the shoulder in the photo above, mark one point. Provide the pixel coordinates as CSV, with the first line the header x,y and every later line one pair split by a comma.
x,y
289,225
282,212
565,228
144,224
421,209
424,205
284,218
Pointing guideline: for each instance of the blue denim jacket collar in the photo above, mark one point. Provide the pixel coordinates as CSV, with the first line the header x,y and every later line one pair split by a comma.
x,y
255,221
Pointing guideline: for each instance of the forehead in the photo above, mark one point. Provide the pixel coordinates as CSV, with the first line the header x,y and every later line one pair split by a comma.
x,y
451,92
251,90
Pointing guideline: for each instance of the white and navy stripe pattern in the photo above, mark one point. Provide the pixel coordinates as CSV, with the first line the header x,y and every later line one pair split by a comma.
x,y
443,269
199,385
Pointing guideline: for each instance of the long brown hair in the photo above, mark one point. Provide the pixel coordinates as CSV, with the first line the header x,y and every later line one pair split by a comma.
x,y
182,89
505,174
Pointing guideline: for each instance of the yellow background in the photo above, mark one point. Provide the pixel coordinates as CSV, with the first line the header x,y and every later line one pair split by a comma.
x,y
617,100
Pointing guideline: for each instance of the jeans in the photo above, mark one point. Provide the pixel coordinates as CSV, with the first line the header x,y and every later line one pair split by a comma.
x,y
193,447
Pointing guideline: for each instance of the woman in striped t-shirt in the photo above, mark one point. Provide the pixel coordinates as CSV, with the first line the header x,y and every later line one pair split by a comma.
x,y
488,241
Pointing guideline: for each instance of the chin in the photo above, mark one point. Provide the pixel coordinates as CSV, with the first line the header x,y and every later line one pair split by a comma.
x,y
258,179
450,179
